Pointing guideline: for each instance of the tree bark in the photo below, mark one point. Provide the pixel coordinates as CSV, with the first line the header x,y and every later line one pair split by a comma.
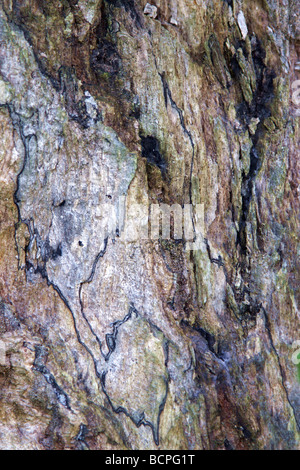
x,y
110,341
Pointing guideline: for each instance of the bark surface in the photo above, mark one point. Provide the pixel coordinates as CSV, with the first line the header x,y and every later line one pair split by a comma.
x,y
107,343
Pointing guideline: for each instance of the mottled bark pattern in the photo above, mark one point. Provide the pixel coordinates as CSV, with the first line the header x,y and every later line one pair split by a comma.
x,y
108,344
